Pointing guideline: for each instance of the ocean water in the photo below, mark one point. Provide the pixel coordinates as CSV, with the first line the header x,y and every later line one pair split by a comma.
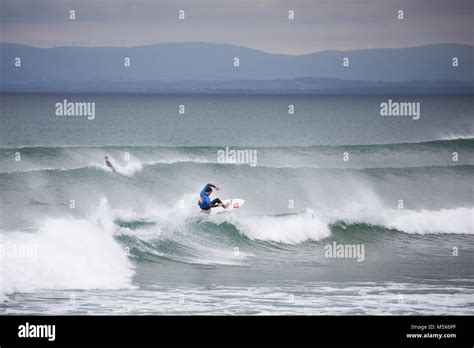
x,y
135,242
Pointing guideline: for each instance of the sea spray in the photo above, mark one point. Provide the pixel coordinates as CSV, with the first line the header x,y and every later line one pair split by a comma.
x,y
289,229
72,254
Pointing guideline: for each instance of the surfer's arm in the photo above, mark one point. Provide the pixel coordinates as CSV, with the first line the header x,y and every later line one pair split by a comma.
x,y
213,186
206,188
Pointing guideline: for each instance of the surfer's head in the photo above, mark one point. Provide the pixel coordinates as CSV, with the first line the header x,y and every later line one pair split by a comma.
x,y
209,191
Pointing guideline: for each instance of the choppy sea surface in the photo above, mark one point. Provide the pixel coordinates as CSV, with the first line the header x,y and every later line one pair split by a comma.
x,y
334,173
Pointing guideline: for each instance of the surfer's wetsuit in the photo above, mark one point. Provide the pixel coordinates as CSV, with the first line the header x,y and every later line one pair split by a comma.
x,y
107,162
205,202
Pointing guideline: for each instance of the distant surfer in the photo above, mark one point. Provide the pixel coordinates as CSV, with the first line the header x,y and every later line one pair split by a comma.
x,y
108,164
205,202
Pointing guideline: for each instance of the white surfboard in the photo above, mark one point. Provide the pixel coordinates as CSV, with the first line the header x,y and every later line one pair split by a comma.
x,y
234,203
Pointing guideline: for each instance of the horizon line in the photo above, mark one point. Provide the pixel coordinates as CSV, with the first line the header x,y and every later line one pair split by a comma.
x,y
241,46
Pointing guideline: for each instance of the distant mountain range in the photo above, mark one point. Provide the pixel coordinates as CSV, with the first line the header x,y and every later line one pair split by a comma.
x,y
206,67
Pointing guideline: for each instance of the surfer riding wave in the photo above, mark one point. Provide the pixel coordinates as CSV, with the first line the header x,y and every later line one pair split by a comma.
x,y
205,202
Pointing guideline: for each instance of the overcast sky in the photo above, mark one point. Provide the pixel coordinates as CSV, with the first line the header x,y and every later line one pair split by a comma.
x,y
260,24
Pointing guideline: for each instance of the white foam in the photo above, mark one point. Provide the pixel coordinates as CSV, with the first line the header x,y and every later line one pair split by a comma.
x,y
71,254
458,220
129,169
453,136
288,229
